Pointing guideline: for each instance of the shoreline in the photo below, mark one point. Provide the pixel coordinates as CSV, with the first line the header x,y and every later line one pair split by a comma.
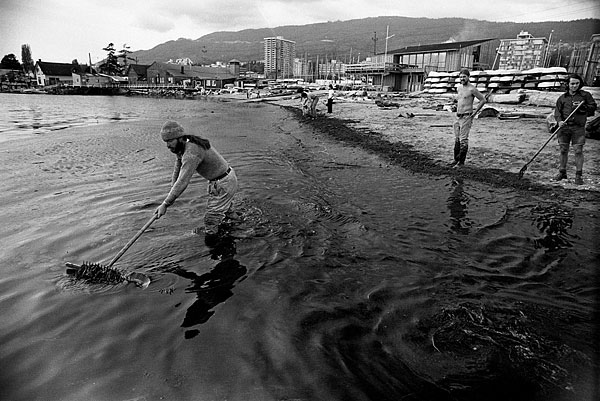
x,y
423,144
80,193
416,134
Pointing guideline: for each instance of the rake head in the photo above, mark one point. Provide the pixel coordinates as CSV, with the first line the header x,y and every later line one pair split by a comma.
x,y
96,273
522,171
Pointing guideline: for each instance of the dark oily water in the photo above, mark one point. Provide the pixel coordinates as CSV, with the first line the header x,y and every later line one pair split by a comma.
x,y
439,288
343,276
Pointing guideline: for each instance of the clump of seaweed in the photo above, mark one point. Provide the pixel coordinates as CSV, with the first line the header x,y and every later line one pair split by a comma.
x,y
502,344
95,273
553,221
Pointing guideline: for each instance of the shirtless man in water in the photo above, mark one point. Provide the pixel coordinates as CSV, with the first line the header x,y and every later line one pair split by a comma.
x,y
464,116
195,154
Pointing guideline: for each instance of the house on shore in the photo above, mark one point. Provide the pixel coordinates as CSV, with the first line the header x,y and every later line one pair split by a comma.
x,y
48,73
137,74
97,80
81,76
165,74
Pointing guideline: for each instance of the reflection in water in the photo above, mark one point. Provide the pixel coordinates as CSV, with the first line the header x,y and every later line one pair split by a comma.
x,y
362,289
214,287
553,222
457,204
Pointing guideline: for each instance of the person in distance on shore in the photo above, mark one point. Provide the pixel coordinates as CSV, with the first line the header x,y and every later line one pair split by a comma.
x,y
195,154
467,92
572,131
304,103
330,95
309,103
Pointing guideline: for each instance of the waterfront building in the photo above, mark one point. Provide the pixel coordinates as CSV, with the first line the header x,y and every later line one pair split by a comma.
x,y
279,57
163,74
523,53
137,73
48,73
405,69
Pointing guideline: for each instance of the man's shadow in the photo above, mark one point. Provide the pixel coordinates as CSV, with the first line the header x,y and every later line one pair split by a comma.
x,y
213,287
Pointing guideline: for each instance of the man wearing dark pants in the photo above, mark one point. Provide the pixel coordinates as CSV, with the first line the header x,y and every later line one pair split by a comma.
x,y
572,132
467,92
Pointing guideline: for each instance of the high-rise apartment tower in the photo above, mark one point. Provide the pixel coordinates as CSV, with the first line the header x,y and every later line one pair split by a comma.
x,y
279,57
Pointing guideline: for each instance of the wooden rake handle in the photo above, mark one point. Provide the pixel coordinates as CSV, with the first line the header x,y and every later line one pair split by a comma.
x,y
131,241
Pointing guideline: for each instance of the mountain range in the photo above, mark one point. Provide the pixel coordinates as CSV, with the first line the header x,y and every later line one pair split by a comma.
x,y
359,38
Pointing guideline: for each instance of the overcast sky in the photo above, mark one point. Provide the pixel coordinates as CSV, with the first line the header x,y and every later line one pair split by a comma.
x,y
63,30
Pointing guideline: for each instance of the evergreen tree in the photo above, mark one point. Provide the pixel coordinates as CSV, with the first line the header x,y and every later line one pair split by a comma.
x,y
124,54
111,66
26,58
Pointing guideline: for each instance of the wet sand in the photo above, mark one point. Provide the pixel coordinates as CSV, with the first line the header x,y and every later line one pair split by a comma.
x,y
498,149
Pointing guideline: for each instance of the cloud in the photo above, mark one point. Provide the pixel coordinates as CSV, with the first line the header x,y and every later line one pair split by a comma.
x,y
153,23
9,6
235,15
65,29
209,15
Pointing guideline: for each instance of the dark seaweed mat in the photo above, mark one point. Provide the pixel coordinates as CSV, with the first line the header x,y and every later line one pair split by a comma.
x,y
405,156
506,353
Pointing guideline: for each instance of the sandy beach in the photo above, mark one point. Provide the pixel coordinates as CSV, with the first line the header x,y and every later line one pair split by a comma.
x,y
494,144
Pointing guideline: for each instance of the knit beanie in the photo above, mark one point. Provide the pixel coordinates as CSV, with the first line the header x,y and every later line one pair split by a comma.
x,y
171,130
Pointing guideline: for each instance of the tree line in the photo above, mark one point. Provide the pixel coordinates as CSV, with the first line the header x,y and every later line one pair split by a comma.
x,y
116,63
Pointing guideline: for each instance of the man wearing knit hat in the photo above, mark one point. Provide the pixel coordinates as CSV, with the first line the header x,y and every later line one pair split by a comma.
x,y
195,154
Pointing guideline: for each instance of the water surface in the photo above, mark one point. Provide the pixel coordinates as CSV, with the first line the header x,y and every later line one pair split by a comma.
x,y
342,277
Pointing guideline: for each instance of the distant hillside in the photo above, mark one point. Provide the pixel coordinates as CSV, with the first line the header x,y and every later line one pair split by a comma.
x,y
342,39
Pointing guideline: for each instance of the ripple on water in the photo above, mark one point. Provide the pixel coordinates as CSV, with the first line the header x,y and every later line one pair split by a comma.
x,y
342,278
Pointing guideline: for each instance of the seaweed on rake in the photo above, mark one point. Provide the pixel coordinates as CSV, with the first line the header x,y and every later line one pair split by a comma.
x,y
96,273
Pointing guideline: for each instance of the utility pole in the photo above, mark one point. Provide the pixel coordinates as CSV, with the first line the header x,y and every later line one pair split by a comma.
x,y
547,53
387,36
374,39
496,58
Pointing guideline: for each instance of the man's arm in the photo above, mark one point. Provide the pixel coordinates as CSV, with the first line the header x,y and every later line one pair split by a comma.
x,y
482,100
590,104
189,163
558,111
176,170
